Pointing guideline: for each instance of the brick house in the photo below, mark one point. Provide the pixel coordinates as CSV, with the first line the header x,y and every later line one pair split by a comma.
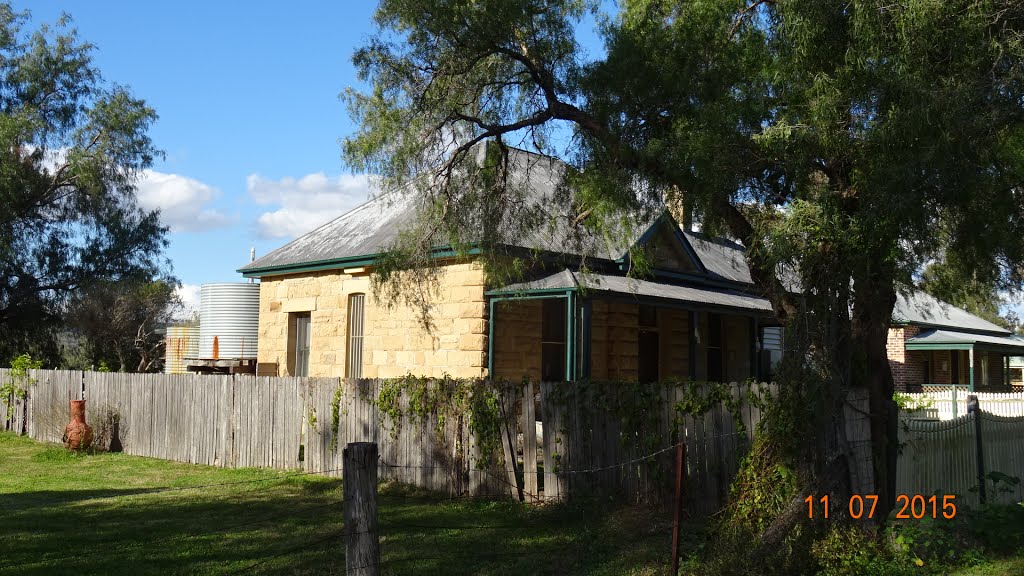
x,y
698,316
932,342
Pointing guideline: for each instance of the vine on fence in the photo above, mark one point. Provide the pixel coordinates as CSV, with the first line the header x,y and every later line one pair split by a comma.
x,y
640,408
446,398
19,383
335,415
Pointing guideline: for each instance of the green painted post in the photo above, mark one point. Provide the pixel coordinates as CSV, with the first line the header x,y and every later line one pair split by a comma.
x,y
490,341
585,337
970,366
570,337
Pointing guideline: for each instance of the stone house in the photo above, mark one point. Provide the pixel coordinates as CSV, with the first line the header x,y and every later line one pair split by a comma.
x,y
698,315
934,343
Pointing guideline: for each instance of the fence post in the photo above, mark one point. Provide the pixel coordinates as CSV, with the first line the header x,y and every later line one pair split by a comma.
x,y
678,504
954,401
974,408
362,543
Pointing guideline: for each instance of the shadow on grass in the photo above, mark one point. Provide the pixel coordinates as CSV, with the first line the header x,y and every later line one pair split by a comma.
x,y
296,528
177,531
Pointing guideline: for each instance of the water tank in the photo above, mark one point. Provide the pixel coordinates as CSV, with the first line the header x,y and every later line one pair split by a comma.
x,y
182,342
229,318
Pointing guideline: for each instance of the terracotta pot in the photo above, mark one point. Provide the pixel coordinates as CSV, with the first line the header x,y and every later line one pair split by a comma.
x,y
77,434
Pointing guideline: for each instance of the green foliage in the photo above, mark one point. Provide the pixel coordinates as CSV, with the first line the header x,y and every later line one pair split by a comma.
x,y
962,286
763,486
339,391
19,380
850,549
972,537
71,149
907,403
121,321
844,144
449,401
22,364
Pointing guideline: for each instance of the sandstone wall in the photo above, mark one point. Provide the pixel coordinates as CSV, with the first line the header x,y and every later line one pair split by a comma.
x,y
395,343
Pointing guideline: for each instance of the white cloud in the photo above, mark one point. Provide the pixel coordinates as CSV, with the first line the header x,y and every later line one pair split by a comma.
x,y
306,202
189,295
182,201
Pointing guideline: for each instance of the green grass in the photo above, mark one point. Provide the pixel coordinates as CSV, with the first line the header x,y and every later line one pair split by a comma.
x,y
67,513
1008,567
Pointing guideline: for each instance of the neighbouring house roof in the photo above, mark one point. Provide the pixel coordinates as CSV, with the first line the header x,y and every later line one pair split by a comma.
x,y
949,340
567,280
921,309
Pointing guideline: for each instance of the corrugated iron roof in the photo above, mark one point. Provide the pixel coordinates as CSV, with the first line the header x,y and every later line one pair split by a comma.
x,y
569,280
363,231
923,309
951,337
374,226
722,258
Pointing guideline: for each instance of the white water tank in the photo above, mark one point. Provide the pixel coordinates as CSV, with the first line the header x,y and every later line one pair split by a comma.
x,y
229,320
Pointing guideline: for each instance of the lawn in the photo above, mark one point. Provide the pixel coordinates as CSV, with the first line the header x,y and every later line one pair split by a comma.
x,y
66,513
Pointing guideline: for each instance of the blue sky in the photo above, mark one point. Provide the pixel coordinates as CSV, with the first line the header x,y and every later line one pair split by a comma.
x,y
249,116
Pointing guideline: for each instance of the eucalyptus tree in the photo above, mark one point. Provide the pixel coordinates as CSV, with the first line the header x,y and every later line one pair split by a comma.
x,y
71,149
849,142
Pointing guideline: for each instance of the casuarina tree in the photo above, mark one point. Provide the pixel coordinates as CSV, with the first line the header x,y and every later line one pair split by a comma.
x,y
844,144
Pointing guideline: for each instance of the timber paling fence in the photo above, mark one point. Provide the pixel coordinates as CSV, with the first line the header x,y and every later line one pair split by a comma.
x,y
556,440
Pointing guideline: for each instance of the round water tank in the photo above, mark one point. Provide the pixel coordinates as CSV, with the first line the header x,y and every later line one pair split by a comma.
x,y
229,319
182,342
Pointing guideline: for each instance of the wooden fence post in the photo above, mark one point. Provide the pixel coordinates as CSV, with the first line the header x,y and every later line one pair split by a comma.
x,y
362,543
973,407
678,504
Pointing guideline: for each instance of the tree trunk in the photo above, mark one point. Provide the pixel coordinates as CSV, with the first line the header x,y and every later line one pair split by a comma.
x,y
873,301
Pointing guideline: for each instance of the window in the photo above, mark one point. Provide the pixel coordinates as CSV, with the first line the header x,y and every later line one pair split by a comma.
x,y
356,320
984,369
715,371
647,341
771,351
552,341
926,371
302,332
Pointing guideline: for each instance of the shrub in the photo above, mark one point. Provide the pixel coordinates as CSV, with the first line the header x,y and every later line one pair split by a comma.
x,y
857,549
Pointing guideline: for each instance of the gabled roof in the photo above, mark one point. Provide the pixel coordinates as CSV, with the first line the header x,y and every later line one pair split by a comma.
x,y
921,309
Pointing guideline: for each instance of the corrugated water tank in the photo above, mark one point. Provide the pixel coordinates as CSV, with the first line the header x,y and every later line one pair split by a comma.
x,y
229,318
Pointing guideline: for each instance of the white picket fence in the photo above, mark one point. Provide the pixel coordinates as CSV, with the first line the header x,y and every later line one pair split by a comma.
x,y
951,404
941,457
